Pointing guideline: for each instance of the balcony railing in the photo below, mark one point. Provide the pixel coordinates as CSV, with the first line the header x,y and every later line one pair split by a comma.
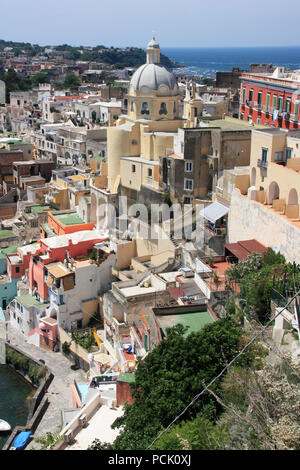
x,y
262,163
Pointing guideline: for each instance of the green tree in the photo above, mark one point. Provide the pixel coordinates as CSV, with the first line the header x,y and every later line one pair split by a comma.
x,y
171,375
197,434
38,78
71,81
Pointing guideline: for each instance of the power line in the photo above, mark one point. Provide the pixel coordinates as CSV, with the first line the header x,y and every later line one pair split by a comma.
x,y
222,372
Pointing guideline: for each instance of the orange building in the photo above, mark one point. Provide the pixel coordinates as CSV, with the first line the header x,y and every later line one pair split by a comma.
x,y
64,222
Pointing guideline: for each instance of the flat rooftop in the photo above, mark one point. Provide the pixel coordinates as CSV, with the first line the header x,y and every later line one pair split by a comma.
x,y
7,234
30,301
69,218
77,237
100,427
194,320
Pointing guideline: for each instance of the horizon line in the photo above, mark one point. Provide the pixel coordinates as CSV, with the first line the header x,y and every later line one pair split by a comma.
x,y
161,47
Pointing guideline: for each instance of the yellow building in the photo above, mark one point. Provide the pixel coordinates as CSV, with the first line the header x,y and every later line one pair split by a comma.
x,y
147,132
270,210
275,166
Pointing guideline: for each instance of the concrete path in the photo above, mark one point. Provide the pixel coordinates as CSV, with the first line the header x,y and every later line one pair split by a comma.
x,y
59,392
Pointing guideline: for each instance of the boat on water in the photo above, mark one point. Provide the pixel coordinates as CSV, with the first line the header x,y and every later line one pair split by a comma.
x,y
4,425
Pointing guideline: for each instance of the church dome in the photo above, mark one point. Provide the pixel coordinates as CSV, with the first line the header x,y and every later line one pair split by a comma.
x,y
153,77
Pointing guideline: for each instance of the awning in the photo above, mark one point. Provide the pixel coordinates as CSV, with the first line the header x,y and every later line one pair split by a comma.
x,y
214,212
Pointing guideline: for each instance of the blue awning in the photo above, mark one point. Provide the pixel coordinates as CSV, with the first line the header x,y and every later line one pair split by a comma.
x,y
214,212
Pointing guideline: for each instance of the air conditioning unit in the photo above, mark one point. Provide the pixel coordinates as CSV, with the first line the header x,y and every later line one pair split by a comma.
x,y
69,436
82,420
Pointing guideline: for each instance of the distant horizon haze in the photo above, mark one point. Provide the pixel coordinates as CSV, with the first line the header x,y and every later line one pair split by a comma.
x,y
132,24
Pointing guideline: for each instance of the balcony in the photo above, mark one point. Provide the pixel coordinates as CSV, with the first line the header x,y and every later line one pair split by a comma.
x,y
262,163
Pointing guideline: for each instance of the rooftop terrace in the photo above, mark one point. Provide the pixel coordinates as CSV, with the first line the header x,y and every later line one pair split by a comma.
x,y
194,320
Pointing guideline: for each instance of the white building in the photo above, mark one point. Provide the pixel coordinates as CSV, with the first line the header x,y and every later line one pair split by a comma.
x,y
2,92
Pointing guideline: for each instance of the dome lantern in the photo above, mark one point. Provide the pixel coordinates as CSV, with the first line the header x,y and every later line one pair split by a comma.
x,y
153,52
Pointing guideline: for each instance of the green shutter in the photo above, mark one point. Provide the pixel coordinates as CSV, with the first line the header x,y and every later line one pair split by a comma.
x,y
274,101
296,111
268,102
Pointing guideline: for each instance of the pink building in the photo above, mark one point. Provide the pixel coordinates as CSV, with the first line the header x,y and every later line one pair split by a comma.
x,y
55,249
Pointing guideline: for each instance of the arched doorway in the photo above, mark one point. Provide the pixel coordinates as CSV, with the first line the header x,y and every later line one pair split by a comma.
x,y
293,197
273,192
93,213
253,177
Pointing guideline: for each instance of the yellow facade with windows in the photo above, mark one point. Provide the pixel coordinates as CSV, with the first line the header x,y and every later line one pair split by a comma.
x,y
274,170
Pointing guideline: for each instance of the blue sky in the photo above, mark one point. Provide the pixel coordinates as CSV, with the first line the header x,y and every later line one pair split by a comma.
x,y
131,22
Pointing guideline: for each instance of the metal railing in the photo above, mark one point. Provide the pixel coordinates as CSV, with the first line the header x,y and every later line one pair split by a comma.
x,y
262,163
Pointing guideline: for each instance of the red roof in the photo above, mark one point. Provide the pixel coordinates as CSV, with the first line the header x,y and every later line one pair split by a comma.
x,y
243,248
66,98
253,246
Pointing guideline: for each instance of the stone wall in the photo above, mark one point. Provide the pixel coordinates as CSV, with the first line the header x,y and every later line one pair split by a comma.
x,y
250,219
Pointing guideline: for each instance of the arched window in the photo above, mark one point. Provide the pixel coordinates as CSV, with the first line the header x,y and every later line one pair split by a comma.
x,y
163,108
145,108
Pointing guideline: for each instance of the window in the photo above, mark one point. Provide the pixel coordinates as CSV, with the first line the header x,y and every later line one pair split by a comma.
x,y
288,153
17,269
181,147
145,108
250,95
280,103
131,106
264,154
163,108
268,102
133,168
242,116
259,97
244,95
149,173
187,200
188,167
195,112
188,184
278,156
296,111
274,101
288,105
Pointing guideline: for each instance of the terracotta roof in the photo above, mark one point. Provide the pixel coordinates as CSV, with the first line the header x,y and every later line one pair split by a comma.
x,y
66,98
243,248
237,250
253,246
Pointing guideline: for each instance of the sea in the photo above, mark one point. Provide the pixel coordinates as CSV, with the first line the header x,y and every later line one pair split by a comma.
x,y
206,61
15,395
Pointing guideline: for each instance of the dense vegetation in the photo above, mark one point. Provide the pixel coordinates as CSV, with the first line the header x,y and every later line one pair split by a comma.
x,y
171,375
258,275
127,57
25,365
